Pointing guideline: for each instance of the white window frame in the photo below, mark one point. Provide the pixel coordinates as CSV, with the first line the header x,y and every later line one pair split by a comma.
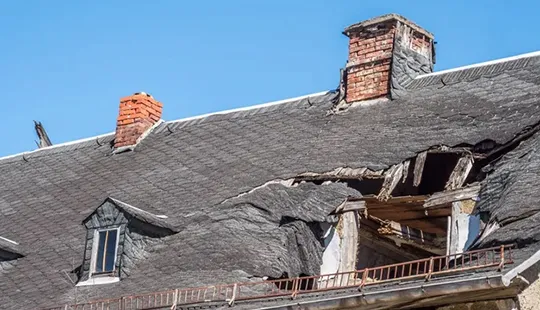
x,y
95,247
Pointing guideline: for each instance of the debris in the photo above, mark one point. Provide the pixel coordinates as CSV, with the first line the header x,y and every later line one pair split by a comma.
x,y
44,140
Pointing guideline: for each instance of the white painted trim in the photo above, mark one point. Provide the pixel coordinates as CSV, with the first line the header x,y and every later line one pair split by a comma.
x,y
510,275
98,281
258,106
8,240
58,145
161,216
481,64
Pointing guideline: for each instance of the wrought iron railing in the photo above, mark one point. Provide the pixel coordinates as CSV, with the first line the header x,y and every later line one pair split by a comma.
x,y
229,293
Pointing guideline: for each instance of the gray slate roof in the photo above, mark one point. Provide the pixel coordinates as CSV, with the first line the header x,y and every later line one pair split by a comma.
x,y
192,171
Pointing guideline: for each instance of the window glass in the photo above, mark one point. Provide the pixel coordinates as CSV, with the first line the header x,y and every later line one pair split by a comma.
x,y
106,251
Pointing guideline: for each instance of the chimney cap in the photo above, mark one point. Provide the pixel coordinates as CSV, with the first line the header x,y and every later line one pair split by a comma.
x,y
385,18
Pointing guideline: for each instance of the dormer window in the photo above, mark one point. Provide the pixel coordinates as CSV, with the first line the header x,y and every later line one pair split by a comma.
x,y
104,258
116,236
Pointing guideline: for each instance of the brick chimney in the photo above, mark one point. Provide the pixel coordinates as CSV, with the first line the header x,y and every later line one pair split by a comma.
x,y
385,53
138,113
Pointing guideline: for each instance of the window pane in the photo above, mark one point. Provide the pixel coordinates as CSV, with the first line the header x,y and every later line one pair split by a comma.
x,y
100,251
110,252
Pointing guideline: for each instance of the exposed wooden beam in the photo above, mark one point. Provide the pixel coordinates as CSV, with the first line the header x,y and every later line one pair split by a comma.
x,y
406,165
460,172
400,233
351,205
391,179
419,168
447,197
437,225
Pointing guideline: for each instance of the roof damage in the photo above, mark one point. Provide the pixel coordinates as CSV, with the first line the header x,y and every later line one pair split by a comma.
x,y
286,190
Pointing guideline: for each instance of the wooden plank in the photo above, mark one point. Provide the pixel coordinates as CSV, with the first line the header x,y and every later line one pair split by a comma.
x,y
419,168
351,205
428,225
349,241
402,214
409,235
395,201
447,197
406,165
391,179
460,172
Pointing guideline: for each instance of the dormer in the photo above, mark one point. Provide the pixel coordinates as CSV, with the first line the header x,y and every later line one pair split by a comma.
x,y
117,233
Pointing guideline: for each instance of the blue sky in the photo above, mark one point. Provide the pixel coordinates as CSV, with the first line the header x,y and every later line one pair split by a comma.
x,y
67,63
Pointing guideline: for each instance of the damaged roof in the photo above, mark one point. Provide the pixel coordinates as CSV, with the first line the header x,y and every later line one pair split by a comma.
x,y
204,174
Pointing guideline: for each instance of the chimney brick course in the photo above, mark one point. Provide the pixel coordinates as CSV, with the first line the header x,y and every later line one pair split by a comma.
x,y
371,52
137,113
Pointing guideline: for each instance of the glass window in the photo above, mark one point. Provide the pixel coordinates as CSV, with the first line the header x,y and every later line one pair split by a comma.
x,y
106,251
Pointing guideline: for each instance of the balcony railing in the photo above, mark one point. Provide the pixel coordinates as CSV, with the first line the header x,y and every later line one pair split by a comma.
x,y
229,293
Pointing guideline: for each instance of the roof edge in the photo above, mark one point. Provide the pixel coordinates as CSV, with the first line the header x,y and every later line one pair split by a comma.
x,y
57,145
253,107
518,270
480,64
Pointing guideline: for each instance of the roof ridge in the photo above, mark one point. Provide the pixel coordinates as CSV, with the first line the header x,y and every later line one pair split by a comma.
x,y
253,107
57,146
481,64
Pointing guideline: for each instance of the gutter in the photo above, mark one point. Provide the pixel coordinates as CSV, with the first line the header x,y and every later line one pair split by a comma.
x,y
399,295
394,297
516,272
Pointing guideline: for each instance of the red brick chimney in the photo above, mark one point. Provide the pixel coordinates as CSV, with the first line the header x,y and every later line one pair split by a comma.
x,y
138,113
385,53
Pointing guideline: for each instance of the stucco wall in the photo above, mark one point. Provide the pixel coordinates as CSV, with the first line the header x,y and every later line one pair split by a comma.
x,y
529,299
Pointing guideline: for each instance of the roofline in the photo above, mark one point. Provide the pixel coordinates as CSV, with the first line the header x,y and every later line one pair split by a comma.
x,y
138,209
481,64
173,121
57,145
253,107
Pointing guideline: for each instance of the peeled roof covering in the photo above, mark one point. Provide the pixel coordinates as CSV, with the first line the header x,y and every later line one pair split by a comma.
x,y
187,169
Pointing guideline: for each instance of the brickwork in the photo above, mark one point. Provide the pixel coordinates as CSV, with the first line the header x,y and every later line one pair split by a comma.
x,y
136,115
370,57
370,54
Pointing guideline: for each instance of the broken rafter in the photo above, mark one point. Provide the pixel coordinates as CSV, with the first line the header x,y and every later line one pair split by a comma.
x,y
447,197
351,205
405,170
391,179
460,172
340,173
419,168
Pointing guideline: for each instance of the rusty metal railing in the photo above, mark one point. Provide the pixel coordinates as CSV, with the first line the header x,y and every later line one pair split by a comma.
x,y
418,269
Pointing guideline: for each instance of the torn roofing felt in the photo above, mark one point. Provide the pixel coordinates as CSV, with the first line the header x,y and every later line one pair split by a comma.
x,y
273,231
511,198
186,169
